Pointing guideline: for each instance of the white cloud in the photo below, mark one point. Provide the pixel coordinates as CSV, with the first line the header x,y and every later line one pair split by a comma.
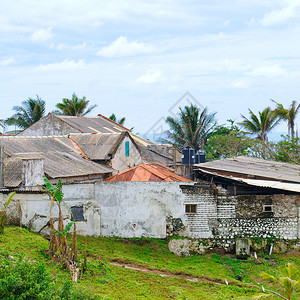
x,y
241,83
281,16
63,46
122,47
267,71
151,76
42,35
66,65
7,62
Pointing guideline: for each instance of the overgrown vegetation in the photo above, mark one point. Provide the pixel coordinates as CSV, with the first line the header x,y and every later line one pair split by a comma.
x,y
107,281
3,212
20,279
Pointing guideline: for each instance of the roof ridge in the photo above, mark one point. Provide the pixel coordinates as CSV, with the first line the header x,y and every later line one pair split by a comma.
x,y
31,136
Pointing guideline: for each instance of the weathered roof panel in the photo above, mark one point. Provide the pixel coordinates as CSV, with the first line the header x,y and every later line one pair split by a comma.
x,y
98,124
248,167
62,159
96,146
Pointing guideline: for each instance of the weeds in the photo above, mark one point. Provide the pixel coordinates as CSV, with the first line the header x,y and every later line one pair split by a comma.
x,y
3,212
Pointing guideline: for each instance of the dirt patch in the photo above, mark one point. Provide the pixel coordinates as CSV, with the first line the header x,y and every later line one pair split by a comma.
x,y
165,273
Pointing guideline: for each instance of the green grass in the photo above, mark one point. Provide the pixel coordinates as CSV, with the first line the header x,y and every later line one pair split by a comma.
x,y
106,281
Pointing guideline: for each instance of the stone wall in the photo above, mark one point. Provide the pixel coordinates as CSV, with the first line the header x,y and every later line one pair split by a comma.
x,y
157,209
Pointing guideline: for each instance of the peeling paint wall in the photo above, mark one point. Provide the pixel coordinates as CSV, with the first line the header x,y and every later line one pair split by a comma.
x,y
157,209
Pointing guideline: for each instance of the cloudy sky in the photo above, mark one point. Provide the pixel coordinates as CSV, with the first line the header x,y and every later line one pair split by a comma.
x,y
137,58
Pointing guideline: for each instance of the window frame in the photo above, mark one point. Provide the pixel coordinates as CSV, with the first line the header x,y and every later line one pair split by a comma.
x,y
72,213
268,211
190,205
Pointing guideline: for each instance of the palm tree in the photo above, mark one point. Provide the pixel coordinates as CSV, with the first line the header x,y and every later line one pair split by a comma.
x,y
261,124
30,112
191,128
288,114
121,121
74,106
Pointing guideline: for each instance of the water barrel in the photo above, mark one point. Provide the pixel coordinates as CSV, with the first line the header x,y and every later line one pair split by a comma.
x,y
188,155
202,156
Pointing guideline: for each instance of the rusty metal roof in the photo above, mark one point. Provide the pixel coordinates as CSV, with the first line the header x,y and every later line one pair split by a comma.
x,y
62,159
148,172
253,168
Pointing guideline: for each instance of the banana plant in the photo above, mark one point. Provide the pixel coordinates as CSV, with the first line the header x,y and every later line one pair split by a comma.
x,y
58,247
3,212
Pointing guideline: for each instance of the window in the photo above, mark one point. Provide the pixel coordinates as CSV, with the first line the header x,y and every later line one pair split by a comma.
x,y
191,208
127,149
77,213
268,208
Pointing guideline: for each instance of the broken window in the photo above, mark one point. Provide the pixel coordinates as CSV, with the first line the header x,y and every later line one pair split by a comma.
x,y
191,208
77,213
127,149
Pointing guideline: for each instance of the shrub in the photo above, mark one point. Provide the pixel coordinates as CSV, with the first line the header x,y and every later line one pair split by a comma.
x,y
24,280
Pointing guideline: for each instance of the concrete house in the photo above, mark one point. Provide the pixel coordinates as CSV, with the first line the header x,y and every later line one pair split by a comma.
x,y
65,125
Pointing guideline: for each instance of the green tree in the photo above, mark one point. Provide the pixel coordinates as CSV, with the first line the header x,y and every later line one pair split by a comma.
x,y
261,124
121,121
288,150
30,112
288,114
191,128
74,106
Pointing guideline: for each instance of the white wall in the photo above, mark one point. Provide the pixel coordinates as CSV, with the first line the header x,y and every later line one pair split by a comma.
x,y
126,209
150,209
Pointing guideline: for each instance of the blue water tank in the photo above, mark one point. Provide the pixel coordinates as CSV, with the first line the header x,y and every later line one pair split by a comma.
x,y
188,155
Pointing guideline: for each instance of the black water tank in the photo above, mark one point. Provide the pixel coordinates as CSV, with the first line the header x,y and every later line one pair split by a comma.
x,y
188,155
197,158
202,156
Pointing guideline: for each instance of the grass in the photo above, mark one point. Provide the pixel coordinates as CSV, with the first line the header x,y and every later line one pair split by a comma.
x,y
106,281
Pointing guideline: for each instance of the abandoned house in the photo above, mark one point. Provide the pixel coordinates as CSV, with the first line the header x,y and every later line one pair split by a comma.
x,y
26,159
64,125
248,175
126,206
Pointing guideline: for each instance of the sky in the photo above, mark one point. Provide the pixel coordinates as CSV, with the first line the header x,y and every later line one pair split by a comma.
x,y
139,59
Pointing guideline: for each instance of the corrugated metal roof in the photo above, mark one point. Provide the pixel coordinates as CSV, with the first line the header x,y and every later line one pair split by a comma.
x,y
97,146
253,168
148,172
99,124
62,159
285,186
